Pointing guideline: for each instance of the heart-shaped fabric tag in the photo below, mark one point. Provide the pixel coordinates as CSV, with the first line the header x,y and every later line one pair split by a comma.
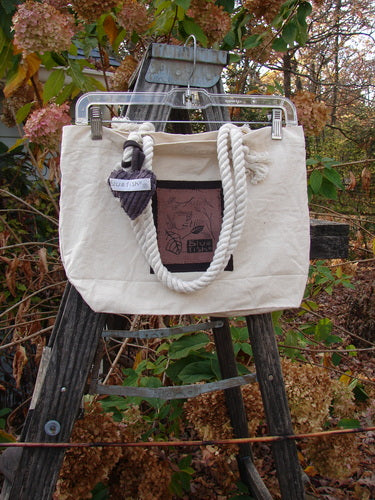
x,y
134,188
133,185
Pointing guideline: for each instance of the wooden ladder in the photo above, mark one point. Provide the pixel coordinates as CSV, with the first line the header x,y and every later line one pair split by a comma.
x,y
69,356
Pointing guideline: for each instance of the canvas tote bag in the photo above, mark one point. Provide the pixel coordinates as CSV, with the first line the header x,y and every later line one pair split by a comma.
x,y
225,233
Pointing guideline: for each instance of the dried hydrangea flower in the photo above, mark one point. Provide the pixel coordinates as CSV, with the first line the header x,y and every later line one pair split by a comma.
x,y
44,125
23,95
40,27
213,19
83,468
120,78
268,9
133,16
312,114
90,10
58,4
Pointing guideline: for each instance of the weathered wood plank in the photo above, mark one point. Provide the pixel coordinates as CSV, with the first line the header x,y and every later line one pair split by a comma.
x,y
150,113
74,346
328,240
237,413
157,333
175,391
271,383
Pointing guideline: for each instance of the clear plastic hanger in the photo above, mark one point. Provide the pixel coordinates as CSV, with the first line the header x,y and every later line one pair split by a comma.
x,y
283,110
88,108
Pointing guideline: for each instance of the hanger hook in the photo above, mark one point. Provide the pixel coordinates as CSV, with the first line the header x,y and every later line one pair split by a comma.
x,y
192,37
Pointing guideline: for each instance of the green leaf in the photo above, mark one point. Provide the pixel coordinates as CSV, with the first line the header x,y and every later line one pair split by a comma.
x,y
277,21
360,394
289,32
73,50
328,189
175,485
192,28
180,482
6,58
234,58
292,338
4,411
75,71
119,39
240,26
304,10
302,34
333,339
315,181
100,492
185,4
47,60
175,368
352,350
150,382
227,4
239,333
276,315
60,58
333,176
310,304
161,6
8,6
229,40
242,369
349,423
66,93
53,85
3,148
131,377
246,348
95,84
185,462
279,45
23,112
323,329
312,161
252,41
188,344
200,371
242,487
215,367
336,359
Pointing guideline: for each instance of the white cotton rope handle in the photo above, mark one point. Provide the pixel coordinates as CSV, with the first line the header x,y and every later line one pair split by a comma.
x,y
233,178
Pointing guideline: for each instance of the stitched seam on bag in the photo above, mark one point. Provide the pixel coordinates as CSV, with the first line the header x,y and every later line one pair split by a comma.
x,y
229,279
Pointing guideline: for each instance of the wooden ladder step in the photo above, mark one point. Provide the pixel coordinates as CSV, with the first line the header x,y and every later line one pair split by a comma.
x,y
161,332
175,391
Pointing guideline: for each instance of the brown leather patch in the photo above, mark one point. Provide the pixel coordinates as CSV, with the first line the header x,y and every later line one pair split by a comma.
x,y
188,219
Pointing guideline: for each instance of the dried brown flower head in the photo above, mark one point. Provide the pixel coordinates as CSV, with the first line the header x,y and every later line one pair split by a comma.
x,y
83,468
312,114
120,79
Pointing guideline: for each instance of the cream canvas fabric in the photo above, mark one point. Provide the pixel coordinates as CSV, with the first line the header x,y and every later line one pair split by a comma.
x,y
102,258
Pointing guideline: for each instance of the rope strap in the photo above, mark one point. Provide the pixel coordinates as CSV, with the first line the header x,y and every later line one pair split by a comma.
x,y
231,159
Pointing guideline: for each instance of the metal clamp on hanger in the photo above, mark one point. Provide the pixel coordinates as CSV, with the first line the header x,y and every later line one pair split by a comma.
x,y
277,124
96,123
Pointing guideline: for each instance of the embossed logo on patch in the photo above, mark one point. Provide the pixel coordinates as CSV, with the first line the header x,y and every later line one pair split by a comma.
x,y
188,219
